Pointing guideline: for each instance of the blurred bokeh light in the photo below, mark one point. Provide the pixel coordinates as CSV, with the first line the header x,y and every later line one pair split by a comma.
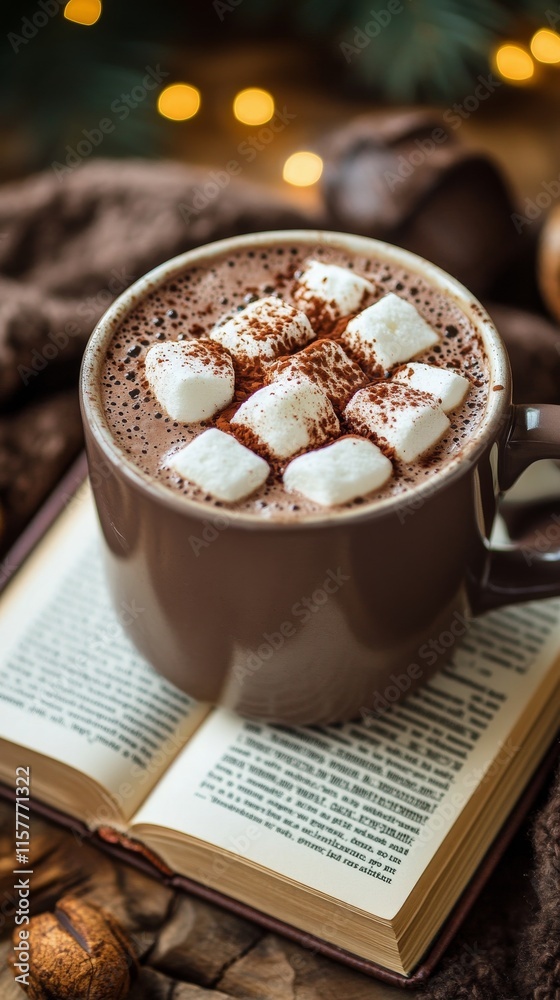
x,y
545,46
179,101
83,11
253,106
514,63
302,169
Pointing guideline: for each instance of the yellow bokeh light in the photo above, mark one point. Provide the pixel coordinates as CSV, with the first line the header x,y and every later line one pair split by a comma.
x,y
545,46
253,106
83,11
514,63
179,101
303,168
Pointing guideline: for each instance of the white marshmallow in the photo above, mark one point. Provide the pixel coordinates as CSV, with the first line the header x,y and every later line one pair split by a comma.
x,y
448,386
409,421
287,416
191,379
327,365
389,331
337,287
220,465
349,468
264,329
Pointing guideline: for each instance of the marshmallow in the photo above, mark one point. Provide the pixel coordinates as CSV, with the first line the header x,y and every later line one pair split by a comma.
x,y
265,329
220,465
324,363
286,417
349,468
410,422
389,331
449,388
336,287
191,379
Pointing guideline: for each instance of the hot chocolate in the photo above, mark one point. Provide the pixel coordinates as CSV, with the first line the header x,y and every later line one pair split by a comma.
x,y
311,380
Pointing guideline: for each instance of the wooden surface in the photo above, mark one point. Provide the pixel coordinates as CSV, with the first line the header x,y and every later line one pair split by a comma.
x,y
188,950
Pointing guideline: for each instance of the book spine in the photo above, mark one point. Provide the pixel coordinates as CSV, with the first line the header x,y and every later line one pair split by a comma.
x,y
129,846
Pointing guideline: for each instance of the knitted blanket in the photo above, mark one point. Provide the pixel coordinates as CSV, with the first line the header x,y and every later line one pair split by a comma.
x,y
67,249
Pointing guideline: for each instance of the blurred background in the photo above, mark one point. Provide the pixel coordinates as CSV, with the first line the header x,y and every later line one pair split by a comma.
x,y
133,131
67,66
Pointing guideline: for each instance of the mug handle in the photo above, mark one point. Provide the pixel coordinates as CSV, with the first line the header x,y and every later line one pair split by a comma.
x,y
522,573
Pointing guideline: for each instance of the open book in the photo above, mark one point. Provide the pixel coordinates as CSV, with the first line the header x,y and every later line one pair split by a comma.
x,y
363,835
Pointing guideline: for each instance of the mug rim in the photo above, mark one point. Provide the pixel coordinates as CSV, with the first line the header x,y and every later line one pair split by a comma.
x,y
93,413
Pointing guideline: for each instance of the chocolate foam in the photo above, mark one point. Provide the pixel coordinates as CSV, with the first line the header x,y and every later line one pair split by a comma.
x,y
189,305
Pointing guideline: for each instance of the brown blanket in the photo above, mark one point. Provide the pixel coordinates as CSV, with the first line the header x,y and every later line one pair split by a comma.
x,y
66,250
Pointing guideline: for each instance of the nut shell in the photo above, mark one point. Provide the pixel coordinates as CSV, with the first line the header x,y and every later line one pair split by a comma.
x,y
79,952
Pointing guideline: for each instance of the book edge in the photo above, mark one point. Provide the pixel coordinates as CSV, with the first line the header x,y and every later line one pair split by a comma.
x,y
133,852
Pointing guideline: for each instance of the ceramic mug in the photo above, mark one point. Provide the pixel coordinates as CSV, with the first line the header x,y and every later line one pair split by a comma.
x,y
311,622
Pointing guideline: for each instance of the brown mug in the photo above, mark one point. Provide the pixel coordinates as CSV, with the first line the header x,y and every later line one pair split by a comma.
x,y
341,613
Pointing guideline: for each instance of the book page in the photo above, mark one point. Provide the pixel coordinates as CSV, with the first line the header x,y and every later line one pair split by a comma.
x,y
72,687
358,810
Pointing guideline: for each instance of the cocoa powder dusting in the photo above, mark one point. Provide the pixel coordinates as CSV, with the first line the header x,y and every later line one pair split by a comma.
x,y
325,363
189,305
